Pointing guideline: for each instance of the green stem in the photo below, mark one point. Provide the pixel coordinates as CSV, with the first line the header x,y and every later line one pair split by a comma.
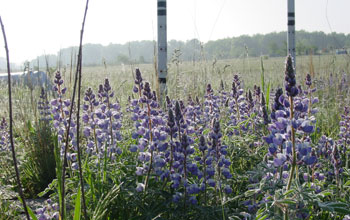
x,y
281,168
205,180
151,139
294,159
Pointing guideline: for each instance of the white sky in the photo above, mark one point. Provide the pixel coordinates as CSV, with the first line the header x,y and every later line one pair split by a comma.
x,y
37,26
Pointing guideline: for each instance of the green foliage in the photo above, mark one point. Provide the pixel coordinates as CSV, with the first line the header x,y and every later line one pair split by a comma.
x,y
39,166
110,184
273,44
104,205
77,209
8,210
7,173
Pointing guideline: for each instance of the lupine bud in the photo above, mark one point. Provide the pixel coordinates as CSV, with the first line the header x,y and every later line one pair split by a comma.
x,y
147,91
308,81
209,89
290,82
138,78
178,114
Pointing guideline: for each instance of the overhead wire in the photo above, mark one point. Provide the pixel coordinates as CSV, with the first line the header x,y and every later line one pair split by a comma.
x,y
216,20
330,28
194,20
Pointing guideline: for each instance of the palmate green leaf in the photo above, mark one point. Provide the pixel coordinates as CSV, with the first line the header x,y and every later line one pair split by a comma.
x,y
326,193
234,217
288,192
344,211
347,183
260,214
263,217
77,209
339,207
49,188
31,213
287,201
251,192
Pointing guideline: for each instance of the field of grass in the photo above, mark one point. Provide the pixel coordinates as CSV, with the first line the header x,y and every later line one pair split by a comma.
x,y
219,148
186,78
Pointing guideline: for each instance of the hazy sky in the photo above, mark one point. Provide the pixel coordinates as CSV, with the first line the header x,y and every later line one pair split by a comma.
x,y
37,26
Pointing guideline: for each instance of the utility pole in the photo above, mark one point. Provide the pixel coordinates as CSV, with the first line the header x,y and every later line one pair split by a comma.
x,y
291,30
162,48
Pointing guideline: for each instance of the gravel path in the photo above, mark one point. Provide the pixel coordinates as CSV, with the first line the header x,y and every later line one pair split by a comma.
x,y
6,194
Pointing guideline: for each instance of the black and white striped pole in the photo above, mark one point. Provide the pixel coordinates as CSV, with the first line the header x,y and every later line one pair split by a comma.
x,y
162,47
291,30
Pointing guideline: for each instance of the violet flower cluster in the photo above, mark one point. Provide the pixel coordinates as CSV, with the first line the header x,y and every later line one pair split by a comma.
x,y
217,154
280,140
48,212
247,111
44,107
237,106
195,117
102,118
166,146
330,166
211,105
150,133
60,108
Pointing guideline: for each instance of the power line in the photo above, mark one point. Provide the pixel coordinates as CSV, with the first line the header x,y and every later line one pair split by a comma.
x,y
216,20
330,28
194,20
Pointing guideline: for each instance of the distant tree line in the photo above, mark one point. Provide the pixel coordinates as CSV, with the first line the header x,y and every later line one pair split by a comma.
x,y
3,65
272,44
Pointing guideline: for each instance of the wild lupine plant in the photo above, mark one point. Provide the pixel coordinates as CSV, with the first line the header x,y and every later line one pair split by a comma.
x,y
218,152
166,145
246,113
184,156
107,120
60,111
44,107
90,120
290,149
344,136
150,133
211,105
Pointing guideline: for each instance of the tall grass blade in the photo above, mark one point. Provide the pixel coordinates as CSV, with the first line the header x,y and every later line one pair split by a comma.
x,y
77,209
263,77
104,202
268,96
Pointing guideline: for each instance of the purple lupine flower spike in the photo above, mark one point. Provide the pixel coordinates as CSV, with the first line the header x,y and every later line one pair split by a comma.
x,y
290,84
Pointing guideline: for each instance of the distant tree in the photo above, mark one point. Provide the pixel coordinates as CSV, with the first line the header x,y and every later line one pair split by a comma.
x,y
142,59
273,49
300,48
284,49
273,44
123,59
